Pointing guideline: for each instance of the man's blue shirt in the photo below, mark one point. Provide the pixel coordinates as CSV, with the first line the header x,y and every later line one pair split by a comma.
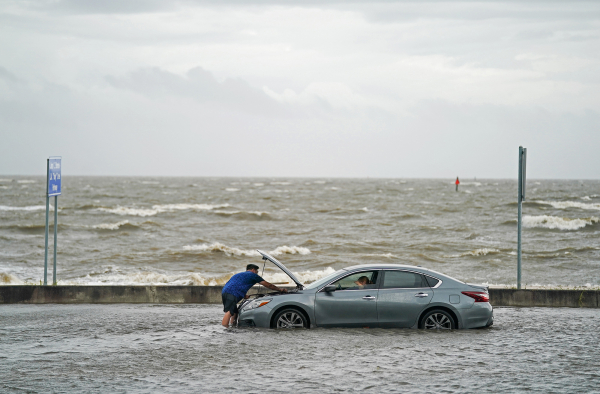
x,y
239,284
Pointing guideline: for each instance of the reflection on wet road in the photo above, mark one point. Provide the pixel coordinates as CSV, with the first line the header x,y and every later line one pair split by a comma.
x,y
158,348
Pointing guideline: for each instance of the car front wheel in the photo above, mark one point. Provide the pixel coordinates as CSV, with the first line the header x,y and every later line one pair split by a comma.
x,y
290,318
437,319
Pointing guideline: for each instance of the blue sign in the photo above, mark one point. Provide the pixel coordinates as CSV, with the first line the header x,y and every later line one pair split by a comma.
x,y
54,175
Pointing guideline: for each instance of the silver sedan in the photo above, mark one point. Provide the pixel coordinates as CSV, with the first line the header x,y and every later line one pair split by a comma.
x,y
378,295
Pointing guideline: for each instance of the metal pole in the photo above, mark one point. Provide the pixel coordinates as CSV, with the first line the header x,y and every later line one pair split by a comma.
x,y
47,214
520,200
55,232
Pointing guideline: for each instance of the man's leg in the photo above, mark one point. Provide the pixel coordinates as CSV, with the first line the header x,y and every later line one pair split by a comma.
x,y
226,319
233,320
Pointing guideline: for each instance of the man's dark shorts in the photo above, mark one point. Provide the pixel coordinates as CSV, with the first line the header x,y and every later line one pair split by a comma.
x,y
230,303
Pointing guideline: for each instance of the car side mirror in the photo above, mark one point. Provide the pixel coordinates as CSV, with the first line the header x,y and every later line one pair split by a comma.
x,y
329,288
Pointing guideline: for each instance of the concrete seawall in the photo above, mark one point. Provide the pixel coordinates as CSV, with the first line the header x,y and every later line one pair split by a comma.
x,y
212,295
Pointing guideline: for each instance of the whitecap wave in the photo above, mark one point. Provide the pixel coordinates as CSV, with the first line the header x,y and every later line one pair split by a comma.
x,y
230,251
156,209
570,204
232,189
26,181
257,213
9,279
29,208
219,247
480,252
281,183
148,277
111,226
130,211
281,250
386,255
558,223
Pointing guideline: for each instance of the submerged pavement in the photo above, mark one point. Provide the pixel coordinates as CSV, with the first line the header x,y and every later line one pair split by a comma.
x,y
177,348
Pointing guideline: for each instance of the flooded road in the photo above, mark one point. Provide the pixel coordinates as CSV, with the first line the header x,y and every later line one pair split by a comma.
x,y
159,348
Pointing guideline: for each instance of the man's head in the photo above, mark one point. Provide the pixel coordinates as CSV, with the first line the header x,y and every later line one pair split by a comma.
x,y
363,280
252,267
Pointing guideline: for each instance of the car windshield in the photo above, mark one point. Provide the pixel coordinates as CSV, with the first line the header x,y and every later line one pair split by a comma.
x,y
324,280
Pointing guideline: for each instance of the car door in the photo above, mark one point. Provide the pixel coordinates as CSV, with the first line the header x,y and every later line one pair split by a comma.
x,y
402,297
351,304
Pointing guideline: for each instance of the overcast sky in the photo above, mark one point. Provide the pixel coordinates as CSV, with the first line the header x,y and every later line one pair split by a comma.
x,y
301,88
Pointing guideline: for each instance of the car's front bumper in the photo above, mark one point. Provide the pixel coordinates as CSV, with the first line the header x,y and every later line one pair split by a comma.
x,y
258,317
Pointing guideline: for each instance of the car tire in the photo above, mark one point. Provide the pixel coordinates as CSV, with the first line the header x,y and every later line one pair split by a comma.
x,y
290,319
437,319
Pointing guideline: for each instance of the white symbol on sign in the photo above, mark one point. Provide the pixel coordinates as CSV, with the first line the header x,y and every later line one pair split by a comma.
x,y
54,188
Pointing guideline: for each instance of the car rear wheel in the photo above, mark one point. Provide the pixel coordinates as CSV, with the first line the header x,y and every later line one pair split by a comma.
x,y
437,319
290,318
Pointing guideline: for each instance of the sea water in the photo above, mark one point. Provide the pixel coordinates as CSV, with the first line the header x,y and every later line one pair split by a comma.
x,y
199,231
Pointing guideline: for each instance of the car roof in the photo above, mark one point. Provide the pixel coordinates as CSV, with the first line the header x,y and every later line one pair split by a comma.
x,y
384,266
401,266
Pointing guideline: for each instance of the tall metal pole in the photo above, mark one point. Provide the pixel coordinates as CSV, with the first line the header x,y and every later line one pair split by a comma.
x,y
47,214
55,232
520,200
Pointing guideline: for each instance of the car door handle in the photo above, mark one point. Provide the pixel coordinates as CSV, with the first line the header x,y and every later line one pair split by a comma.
x,y
368,298
421,295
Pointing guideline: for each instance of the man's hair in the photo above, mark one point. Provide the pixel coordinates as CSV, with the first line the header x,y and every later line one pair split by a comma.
x,y
251,267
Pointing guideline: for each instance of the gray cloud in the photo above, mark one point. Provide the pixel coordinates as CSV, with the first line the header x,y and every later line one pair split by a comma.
x,y
410,89
199,85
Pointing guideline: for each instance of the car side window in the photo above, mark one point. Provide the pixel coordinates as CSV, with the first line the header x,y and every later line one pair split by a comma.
x,y
403,279
432,282
358,281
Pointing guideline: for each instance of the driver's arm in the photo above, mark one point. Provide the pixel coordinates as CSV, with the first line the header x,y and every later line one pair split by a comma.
x,y
272,287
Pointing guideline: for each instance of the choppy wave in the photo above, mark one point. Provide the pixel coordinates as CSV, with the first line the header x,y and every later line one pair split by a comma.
x,y
29,208
114,226
476,252
156,209
570,204
558,223
244,214
9,279
26,181
230,251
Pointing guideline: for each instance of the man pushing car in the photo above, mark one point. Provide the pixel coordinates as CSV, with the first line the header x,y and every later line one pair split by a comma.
x,y
237,287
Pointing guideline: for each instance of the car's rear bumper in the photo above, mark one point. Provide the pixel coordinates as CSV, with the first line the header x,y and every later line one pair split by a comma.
x,y
481,314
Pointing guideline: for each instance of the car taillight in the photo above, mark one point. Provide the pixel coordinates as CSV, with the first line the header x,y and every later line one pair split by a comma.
x,y
478,296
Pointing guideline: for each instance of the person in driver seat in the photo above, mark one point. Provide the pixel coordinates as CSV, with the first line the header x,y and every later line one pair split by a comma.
x,y
362,281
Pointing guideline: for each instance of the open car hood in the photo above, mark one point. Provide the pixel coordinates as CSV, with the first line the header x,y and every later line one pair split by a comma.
x,y
273,260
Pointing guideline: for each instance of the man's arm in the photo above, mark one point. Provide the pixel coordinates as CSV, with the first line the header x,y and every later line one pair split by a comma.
x,y
272,287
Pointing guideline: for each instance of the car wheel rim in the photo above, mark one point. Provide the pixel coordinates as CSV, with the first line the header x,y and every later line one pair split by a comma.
x,y
290,320
438,321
